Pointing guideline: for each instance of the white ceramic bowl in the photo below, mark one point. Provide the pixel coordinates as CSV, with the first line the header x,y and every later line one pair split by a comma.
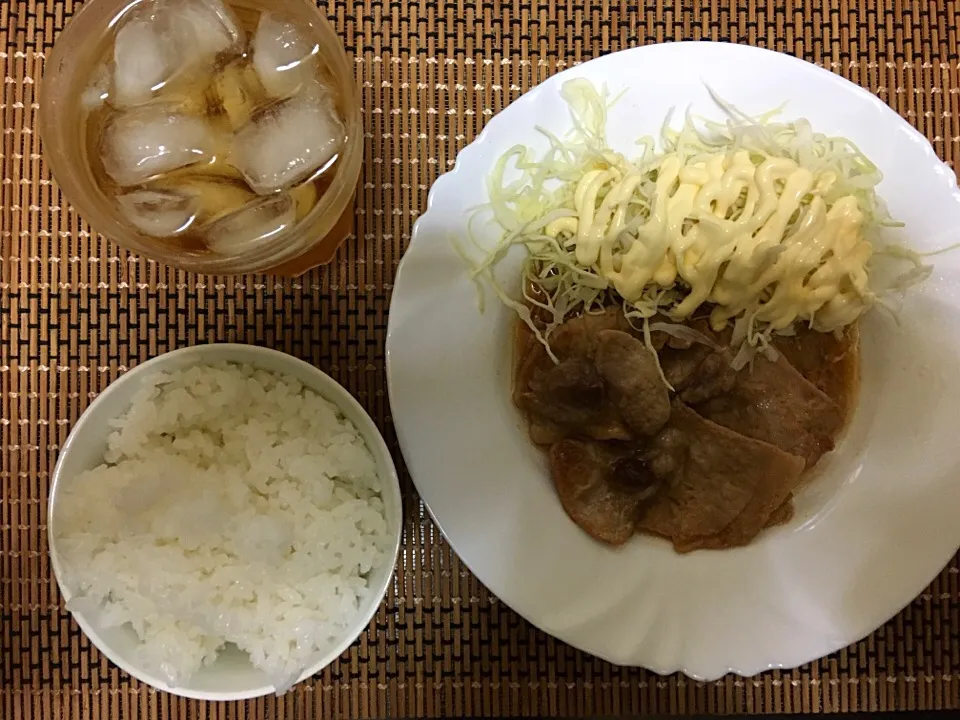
x,y
231,676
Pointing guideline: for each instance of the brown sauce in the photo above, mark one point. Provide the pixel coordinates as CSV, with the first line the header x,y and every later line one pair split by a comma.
x,y
711,462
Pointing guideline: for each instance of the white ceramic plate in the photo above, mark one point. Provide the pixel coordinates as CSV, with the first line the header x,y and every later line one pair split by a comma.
x,y
876,525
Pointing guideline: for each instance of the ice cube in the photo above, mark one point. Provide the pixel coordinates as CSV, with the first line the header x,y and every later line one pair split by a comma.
x,y
159,213
98,91
205,28
183,200
284,55
144,59
256,223
288,142
151,140
168,40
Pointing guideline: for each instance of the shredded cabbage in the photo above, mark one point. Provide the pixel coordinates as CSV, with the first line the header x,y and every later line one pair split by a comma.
x,y
582,212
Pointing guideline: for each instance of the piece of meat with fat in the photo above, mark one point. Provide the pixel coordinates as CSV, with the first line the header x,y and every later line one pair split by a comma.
x,y
573,386
783,514
829,360
537,376
770,505
545,433
715,478
601,490
773,402
680,364
570,397
629,372
699,372
576,337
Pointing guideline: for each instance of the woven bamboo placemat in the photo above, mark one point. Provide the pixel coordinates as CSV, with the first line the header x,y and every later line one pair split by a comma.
x,y
76,312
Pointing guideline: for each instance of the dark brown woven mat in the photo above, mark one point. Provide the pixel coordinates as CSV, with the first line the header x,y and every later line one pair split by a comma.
x,y
76,312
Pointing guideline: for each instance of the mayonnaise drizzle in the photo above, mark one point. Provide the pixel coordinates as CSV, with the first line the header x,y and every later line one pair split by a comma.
x,y
745,233
750,219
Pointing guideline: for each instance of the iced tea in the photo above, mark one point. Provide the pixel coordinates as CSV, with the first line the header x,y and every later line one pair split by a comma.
x,y
213,126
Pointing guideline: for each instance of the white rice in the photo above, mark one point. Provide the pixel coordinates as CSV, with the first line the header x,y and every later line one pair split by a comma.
x,y
233,506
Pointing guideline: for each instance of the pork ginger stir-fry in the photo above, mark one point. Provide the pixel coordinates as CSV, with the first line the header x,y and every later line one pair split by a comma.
x,y
707,464
688,345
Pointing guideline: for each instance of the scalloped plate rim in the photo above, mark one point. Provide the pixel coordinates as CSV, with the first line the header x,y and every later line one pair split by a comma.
x,y
446,181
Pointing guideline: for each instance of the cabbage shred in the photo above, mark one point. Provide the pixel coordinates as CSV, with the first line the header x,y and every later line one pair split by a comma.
x,y
542,197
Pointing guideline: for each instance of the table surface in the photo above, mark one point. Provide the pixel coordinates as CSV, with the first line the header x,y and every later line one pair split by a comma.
x,y
76,312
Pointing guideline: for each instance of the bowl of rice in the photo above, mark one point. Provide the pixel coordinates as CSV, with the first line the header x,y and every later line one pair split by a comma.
x,y
224,521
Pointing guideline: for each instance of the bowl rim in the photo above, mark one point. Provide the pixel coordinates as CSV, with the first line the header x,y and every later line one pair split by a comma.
x,y
329,389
